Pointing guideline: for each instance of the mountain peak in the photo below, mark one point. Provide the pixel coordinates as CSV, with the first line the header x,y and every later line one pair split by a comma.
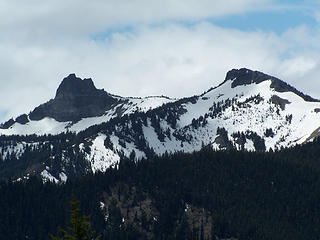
x,y
72,86
75,99
244,76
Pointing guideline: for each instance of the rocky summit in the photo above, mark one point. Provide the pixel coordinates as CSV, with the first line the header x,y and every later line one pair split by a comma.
x,y
84,129
75,99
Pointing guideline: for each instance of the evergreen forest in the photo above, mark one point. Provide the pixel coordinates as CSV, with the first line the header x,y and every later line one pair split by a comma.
x,y
202,195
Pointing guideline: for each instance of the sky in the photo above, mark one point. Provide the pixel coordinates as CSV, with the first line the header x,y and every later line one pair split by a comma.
x,y
152,47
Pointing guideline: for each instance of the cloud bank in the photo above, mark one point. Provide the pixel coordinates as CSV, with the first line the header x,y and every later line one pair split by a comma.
x,y
139,48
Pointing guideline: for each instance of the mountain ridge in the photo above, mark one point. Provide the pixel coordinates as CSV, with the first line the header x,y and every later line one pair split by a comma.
x,y
246,76
71,89
249,111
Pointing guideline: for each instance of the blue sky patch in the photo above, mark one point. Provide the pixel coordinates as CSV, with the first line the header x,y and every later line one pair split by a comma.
x,y
276,21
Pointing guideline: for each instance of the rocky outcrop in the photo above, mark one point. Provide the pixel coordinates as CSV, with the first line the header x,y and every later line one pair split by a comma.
x,y
22,119
75,99
7,124
246,76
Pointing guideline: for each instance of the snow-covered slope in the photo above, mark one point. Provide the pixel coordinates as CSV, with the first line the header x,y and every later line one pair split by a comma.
x,y
249,110
256,108
49,125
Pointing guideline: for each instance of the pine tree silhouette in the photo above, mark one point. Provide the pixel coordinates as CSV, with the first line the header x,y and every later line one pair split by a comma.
x,y
80,227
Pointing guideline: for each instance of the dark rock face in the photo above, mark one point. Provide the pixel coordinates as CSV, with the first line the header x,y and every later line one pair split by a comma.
x,y
75,99
7,124
246,76
22,119
72,87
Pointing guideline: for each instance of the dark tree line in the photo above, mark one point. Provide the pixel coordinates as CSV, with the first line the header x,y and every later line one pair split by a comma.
x,y
245,195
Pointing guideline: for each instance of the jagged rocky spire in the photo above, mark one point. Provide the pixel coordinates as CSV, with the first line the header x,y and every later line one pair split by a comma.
x,y
73,86
75,99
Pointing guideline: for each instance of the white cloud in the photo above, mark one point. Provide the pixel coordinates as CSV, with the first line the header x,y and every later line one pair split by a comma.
x,y
43,20
174,60
45,41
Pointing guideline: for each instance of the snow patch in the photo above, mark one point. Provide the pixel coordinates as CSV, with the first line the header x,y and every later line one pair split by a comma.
x,y
100,157
63,177
47,177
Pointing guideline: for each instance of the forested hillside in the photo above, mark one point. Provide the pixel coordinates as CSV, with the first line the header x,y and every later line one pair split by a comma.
x,y
203,195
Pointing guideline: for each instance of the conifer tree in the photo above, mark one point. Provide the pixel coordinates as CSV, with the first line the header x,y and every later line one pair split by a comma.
x,y
80,227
